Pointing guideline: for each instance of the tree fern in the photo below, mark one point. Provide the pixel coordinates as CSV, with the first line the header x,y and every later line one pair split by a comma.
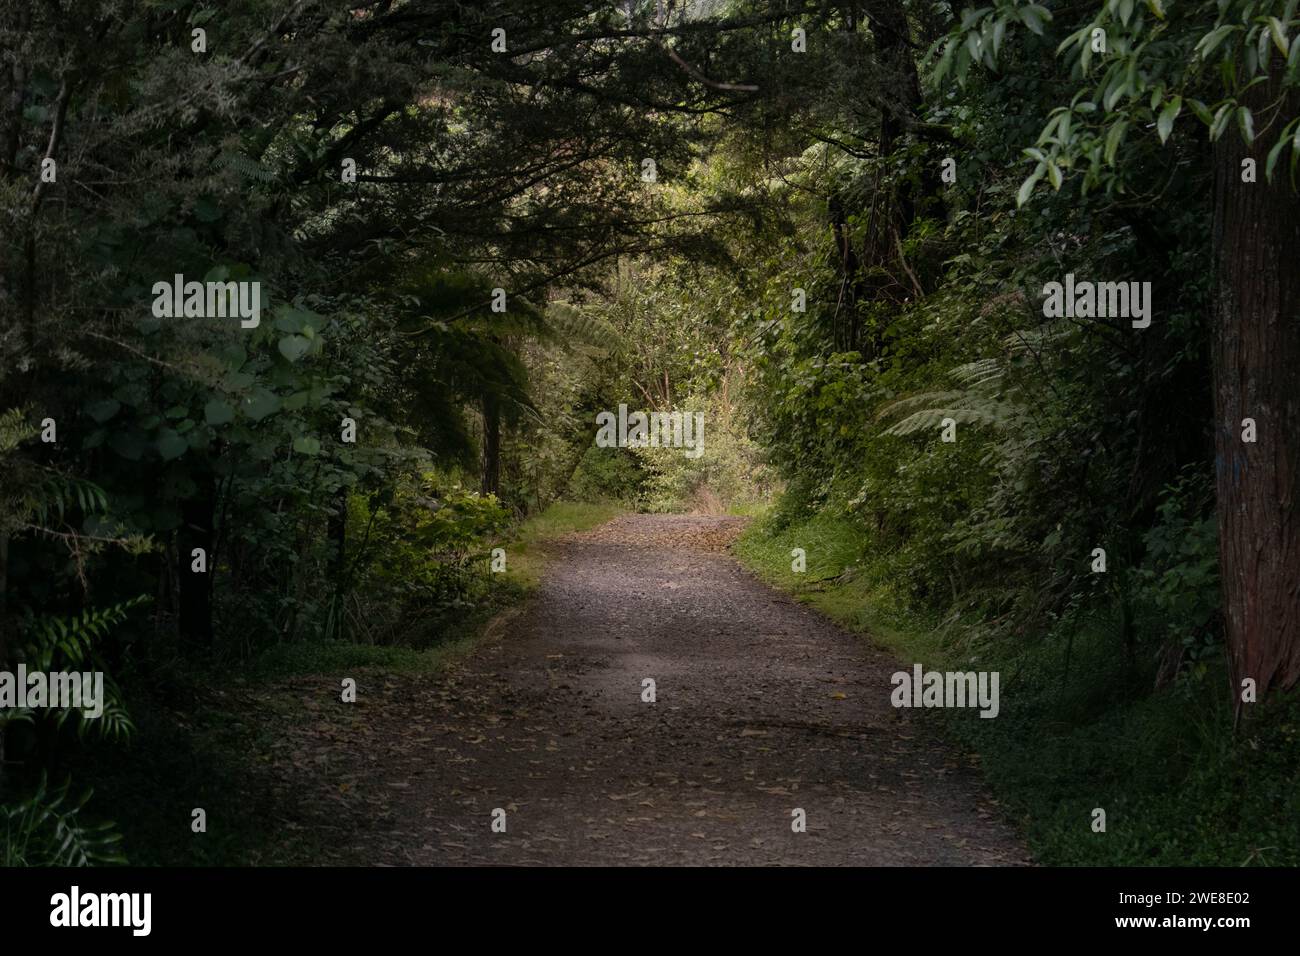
x,y
579,327
983,398
974,406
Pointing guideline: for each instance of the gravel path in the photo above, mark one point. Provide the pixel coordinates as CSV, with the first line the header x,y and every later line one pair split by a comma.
x,y
762,708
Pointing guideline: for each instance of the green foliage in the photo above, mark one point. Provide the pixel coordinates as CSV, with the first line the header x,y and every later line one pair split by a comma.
x,y
723,472
1179,583
608,474
46,829
68,645
421,560
1182,787
1135,66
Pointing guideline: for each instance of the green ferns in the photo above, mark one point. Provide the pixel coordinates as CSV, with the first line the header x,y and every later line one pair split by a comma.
x,y
46,829
66,644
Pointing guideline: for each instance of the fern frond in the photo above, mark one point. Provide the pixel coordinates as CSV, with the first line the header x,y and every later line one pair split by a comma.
x,y
246,166
53,495
996,415
580,327
14,428
978,373
913,403
45,829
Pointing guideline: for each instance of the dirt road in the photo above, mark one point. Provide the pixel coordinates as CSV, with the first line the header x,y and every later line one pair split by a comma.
x,y
761,709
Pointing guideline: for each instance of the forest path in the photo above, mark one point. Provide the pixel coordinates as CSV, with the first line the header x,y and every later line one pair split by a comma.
x,y
762,707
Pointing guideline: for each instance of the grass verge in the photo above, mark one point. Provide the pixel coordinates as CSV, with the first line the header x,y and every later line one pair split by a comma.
x,y
1079,728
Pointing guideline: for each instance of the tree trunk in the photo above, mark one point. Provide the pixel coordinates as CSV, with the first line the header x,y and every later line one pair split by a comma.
x,y
1256,356
893,205
196,531
337,532
4,633
491,444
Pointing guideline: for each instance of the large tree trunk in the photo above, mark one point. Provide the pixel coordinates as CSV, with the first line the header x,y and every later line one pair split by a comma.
x,y
1256,344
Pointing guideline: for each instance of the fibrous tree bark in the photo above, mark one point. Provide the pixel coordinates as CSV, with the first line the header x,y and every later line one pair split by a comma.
x,y
1256,343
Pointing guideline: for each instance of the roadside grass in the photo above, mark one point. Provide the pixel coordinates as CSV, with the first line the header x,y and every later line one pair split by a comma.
x,y
1079,729
525,562
525,559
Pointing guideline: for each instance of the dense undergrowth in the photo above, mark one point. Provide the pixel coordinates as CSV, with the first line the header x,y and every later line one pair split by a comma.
x,y
202,735
1080,727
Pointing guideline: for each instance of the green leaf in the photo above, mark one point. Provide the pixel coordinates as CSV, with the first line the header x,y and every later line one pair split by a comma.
x,y
1027,187
1261,51
1246,123
1202,112
1165,124
1278,30
260,404
306,445
945,61
1295,150
129,444
171,445
293,347
1054,175
1033,17
291,318
218,412
1275,153
970,17
1212,40
1113,139
104,410
1116,91
1220,123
